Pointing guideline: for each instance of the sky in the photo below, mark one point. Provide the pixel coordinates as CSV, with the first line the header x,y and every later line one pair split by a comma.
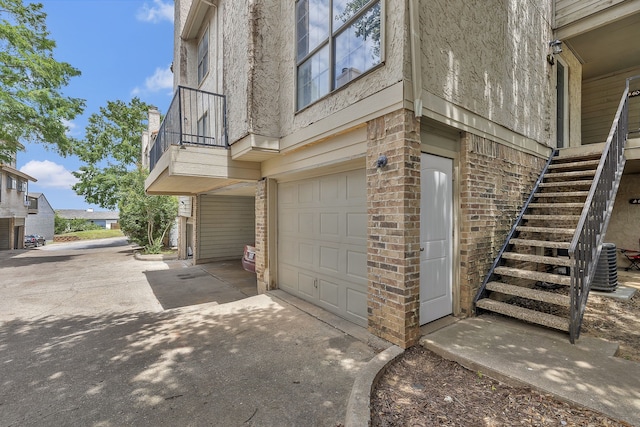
x,y
124,49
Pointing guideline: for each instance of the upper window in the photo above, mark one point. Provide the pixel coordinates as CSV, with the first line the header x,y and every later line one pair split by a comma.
x,y
336,41
203,56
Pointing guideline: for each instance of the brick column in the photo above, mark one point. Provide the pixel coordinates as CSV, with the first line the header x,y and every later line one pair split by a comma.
x,y
393,209
262,246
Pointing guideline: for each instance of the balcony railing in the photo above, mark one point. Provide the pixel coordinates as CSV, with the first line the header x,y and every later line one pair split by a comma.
x,y
194,117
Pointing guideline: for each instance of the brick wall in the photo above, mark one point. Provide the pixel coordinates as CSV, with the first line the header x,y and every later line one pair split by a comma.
x,y
495,180
393,207
63,238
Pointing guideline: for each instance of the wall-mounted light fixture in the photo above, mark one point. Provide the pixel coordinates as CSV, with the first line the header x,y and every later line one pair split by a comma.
x,y
556,49
381,162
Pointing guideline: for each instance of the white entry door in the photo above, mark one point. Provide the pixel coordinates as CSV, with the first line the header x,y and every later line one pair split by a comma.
x,y
436,231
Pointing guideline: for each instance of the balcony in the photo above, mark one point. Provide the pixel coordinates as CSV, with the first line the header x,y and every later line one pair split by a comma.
x,y
190,153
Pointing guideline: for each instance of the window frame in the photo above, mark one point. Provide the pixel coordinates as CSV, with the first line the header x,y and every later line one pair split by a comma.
x,y
329,41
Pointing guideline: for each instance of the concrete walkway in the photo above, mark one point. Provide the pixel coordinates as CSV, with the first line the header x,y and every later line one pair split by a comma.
x,y
586,373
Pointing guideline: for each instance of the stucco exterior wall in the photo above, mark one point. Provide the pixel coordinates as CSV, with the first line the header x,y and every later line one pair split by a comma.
x,y
236,60
11,200
500,72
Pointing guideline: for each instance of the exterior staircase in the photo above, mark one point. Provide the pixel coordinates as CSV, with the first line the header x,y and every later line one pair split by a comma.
x,y
543,272
532,279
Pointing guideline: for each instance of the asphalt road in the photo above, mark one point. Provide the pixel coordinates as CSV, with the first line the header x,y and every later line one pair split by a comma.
x,y
85,342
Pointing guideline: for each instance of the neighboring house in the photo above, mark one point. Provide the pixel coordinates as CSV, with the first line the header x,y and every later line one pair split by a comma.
x,y
41,218
14,187
379,154
104,219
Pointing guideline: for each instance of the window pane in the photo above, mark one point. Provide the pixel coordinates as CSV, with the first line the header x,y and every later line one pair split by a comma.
x,y
203,56
312,25
357,48
313,78
343,10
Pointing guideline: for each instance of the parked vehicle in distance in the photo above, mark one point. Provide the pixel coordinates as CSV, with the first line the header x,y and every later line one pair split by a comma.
x,y
249,258
34,240
30,241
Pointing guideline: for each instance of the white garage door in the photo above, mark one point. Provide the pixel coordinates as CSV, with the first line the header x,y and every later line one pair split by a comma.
x,y
322,242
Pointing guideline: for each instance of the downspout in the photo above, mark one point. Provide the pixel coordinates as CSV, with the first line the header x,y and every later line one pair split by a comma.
x,y
416,56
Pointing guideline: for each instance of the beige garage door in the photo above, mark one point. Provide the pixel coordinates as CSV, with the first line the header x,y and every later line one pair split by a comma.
x,y
322,238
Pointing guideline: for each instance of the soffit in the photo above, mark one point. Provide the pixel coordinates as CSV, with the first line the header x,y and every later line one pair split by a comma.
x,y
609,48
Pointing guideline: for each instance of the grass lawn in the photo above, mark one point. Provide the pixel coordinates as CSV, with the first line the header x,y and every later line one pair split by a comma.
x,y
95,234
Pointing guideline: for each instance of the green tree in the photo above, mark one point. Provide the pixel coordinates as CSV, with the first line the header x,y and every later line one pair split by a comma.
x,y
145,219
32,106
111,148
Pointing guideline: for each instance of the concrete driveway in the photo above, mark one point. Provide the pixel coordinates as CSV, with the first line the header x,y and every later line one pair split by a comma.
x,y
84,341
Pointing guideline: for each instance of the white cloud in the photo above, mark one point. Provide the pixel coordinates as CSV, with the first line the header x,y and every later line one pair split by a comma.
x,y
72,128
49,174
162,79
159,11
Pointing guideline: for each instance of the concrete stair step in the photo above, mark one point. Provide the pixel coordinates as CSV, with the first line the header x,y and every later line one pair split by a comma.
x,y
556,205
563,194
560,261
551,217
534,275
584,164
571,174
532,294
540,243
556,184
569,155
549,230
526,314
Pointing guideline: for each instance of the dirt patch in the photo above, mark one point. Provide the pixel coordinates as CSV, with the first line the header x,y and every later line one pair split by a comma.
x,y
616,321
421,388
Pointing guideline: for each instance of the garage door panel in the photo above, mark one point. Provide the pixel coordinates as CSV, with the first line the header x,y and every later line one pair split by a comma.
x,y
305,254
328,241
330,189
329,293
356,304
307,285
305,224
330,258
357,226
356,188
289,250
288,278
306,193
357,265
330,224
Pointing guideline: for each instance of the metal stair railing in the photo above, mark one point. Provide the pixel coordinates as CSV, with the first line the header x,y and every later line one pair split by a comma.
x,y
482,292
587,241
